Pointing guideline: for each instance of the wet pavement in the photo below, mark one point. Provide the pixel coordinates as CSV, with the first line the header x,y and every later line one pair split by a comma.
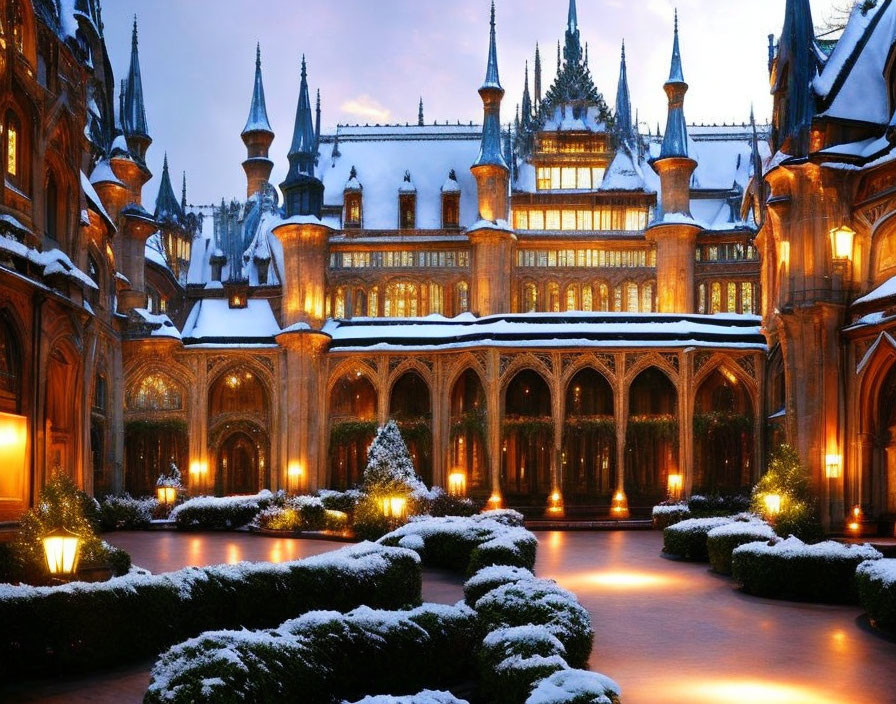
x,y
668,632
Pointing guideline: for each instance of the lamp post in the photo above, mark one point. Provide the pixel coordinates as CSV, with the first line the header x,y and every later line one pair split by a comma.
x,y
395,507
62,549
772,506
675,483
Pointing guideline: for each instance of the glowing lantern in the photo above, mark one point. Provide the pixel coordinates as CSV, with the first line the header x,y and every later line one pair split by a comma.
x,y
772,504
619,505
13,457
855,524
62,548
675,483
395,507
495,502
167,495
832,465
457,483
555,503
841,242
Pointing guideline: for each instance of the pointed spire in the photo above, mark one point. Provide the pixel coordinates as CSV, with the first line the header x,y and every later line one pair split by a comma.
x,y
258,111
676,75
527,101
492,80
572,22
675,143
167,207
317,124
793,71
302,191
420,121
183,194
623,101
133,113
303,133
586,53
756,157
537,76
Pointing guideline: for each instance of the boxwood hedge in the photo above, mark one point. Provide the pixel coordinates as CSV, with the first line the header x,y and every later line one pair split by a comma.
x,y
687,539
791,569
721,541
84,626
876,583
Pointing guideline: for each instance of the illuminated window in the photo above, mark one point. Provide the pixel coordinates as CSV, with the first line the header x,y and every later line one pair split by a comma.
x,y
587,298
571,298
407,208
463,297
353,209
597,177
746,297
530,298
568,220
451,210
617,299
339,304
701,296
647,298
521,219
732,298
552,220
436,299
553,298
373,303
156,393
536,219
13,145
402,300
716,303
604,298
18,28
631,298
583,178
359,303
568,178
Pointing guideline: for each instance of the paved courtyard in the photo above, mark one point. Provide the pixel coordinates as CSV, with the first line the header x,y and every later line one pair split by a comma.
x,y
668,632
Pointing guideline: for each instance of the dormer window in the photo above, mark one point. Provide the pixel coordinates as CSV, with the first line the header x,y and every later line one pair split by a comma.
x,y
407,203
451,202
352,215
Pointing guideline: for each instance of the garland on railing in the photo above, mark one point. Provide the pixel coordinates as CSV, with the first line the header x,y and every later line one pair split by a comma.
x,y
649,428
350,431
527,426
469,423
706,424
601,426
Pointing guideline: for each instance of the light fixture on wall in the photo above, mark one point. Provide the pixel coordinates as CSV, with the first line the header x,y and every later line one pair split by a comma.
x,y
555,503
833,465
395,507
842,239
619,506
167,495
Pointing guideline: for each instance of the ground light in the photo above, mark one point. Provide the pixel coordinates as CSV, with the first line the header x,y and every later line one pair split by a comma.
x,y
555,503
675,483
855,520
494,502
744,691
619,505
772,505
62,549
457,483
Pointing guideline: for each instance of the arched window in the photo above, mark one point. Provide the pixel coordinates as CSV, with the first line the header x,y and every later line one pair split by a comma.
x,y
530,298
716,303
587,298
463,297
647,298
353,209
632,304
402,300
436,299
746,297
359,304
12,147
155,393
9,371
373,303
339,304
732,297
52,207
604,297
407,211
571,298
450,210
18,25
553,297
701,302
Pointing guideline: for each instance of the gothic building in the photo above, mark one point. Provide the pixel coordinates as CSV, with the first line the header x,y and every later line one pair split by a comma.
x,y
564,310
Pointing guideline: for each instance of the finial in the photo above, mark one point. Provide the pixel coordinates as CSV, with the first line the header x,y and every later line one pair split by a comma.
x,y
183,191
304,68
586,53
493,16
676,20
134,35
258,55
165,162
623,49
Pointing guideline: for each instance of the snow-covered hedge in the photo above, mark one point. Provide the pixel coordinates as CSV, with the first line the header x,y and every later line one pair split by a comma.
x,y
575,687
424,697
876,582
301,513
220,512
687,539
791,569
83,626
721,541
666,515
126,513
468,543
489,578
512,660
321,658
540,602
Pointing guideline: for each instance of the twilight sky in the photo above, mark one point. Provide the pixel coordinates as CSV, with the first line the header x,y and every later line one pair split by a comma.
x,y
372,59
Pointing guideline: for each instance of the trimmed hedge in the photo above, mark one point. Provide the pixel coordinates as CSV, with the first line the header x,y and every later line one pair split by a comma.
x,y
876,583
575,687
321,658
540,602
717,505
687,539
84,627
490,578
513,659
666,515
790,569
469,543
126,513
424,697
221,513
721,541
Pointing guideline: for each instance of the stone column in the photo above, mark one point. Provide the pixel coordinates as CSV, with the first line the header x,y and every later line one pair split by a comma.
x,y
620,409
494,418
675,265
305,248
493,249
138,226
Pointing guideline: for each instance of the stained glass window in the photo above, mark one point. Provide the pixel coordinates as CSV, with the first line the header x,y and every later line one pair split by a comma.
x,y
530,298
12,148
716,305
617,299
436,299
156,393
553,298
701,295
746,297
631,298
732,297
604,298
339,304
463,297
373,309
647,298
571,298
587,299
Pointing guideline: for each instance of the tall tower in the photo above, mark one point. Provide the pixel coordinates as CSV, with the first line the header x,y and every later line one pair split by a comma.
x,y
302,191
258,136
132,108
674,230
624,127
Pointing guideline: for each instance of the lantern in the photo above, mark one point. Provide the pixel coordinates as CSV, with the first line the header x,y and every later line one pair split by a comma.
x,y
772,504
457,483
13,455
619,505
841,242
555,503
395,507
675,483
167,495
61,548
855,524
494,501
832,465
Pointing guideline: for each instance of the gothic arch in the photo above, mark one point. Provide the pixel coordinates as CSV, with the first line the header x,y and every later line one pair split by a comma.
x,y
588,361
883,250
351,367
246,363
525,361
650,360
720,362
459,367
410,365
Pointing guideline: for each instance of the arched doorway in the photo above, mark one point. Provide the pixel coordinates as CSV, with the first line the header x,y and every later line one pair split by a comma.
x,y
410,406
528,437
776,398
880,485
61,416
353,403
651,450
723,435
238,412
589,439
468,431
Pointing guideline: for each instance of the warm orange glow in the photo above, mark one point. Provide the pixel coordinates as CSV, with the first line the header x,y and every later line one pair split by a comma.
x,y
701,691
494,501
628,580
197,467
785,252
833,464
841,242
13,456
395,507
732,379
855,525
555,503
675,483
772,504
619,505
234,555
167,495
61,549
457,483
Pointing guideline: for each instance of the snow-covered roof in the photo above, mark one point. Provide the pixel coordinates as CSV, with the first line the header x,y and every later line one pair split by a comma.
x,y
94,199
212,320
102,173
886,290
629,173
563,120
154,252
157,324
853,84
381,155
620,330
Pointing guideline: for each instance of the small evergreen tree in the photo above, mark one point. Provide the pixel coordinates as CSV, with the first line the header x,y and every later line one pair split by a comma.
x,y
172,479
389,464
787,478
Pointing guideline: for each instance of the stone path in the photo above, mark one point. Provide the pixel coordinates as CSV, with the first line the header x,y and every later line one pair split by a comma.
x,y
668,632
